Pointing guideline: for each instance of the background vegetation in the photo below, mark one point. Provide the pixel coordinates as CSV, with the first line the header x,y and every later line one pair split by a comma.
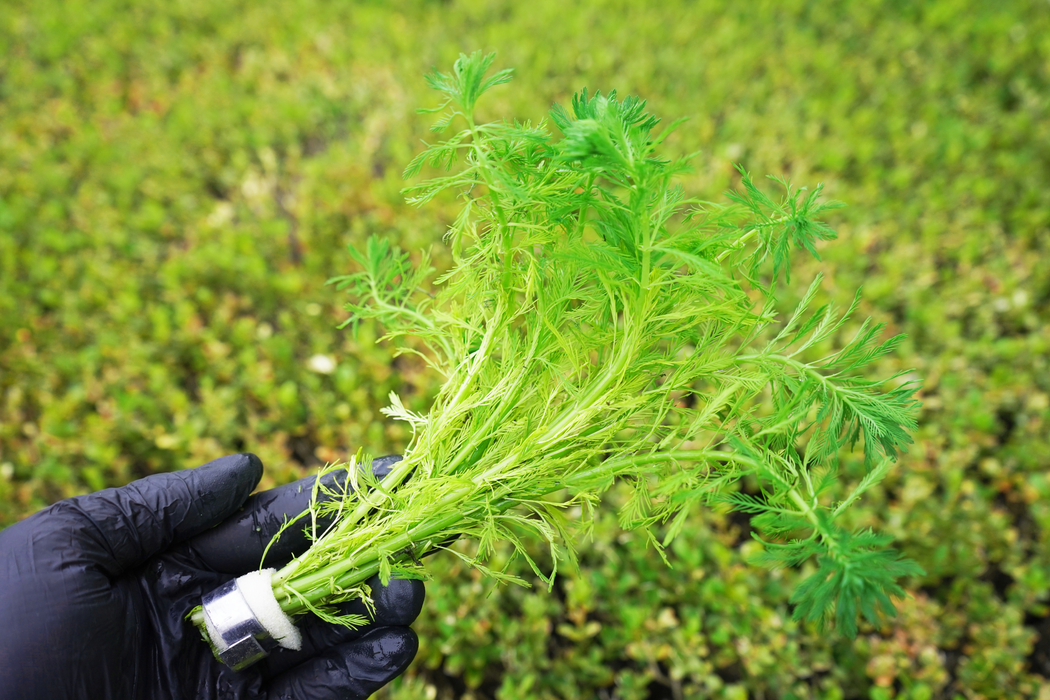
x,y
179,178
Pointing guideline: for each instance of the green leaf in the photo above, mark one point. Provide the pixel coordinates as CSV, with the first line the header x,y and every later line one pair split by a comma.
x,y
467,81
855,572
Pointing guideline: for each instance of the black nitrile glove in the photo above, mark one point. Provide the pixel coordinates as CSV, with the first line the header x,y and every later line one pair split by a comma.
x,y
94,592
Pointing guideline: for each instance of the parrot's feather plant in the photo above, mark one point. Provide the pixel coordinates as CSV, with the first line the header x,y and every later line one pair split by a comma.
x,y
597,327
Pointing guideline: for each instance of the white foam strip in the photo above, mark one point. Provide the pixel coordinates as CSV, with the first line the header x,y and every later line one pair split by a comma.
x,y
257,590
213,633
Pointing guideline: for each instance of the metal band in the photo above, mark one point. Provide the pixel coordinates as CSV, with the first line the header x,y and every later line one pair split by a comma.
x,y
242,638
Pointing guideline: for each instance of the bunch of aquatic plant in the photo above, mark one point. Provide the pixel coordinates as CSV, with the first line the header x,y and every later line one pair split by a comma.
x,y
598,327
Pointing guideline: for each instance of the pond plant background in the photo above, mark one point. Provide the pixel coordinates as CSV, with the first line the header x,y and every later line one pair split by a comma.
x,y
179,179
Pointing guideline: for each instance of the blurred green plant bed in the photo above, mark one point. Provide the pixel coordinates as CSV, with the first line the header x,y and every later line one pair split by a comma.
x,y
178,180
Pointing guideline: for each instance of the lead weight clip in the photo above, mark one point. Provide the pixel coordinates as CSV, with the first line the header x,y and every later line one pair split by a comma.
x,y
239,637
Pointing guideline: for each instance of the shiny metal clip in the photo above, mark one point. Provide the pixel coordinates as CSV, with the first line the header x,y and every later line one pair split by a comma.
x,y
242,638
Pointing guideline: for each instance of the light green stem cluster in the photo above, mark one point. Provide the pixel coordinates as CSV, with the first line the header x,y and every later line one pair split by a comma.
x,y
598,328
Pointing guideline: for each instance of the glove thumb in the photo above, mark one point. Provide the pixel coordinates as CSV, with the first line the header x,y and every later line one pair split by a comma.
x,y
120,528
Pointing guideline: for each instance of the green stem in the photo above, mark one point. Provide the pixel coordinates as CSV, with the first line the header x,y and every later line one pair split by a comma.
x,y
315,587
403,468
745,238
683,455
806,509
497,206
391,481
348,573
320,585
582,220
507,404
736,246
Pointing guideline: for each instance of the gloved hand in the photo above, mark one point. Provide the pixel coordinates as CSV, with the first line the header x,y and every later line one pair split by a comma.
x,y
94,591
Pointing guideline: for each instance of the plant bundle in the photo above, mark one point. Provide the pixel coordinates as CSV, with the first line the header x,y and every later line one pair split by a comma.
x,y
598,327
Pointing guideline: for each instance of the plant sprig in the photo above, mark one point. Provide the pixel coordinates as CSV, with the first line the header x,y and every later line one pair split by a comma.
x,y
598,326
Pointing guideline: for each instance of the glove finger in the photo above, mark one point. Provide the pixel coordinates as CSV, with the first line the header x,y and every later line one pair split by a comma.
x,y
130,524
397,604
350,671
238,544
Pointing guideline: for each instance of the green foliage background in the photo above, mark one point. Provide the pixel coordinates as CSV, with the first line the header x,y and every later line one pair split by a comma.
x,y
179,178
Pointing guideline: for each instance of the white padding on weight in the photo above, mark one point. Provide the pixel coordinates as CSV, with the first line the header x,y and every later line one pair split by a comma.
x,y
257,590
214,634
